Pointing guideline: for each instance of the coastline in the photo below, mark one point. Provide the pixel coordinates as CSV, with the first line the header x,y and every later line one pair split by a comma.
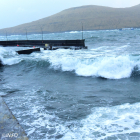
x,y
9,126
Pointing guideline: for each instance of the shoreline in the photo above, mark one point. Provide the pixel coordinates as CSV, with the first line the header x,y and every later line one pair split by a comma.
x,y
9,125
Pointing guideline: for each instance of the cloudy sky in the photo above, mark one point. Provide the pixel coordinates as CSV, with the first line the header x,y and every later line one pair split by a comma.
x,y
15,12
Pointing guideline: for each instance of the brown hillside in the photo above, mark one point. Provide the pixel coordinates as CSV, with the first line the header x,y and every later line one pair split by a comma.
x,y
92,17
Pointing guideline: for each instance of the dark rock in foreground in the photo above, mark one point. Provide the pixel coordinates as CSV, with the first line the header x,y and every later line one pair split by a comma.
x,y
1,64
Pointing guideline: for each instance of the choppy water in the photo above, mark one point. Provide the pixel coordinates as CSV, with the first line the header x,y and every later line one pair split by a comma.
x,y
76,95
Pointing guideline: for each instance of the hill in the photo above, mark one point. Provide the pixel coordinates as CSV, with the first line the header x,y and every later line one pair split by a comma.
x,y
92,17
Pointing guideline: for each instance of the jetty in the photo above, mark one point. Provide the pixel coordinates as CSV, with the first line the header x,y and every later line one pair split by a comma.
x,y
10,128
46,44
41,43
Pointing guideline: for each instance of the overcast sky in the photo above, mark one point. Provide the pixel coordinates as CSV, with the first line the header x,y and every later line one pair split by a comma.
x,y
15,12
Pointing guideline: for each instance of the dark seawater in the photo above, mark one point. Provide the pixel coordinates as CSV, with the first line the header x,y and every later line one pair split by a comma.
x,y
76,95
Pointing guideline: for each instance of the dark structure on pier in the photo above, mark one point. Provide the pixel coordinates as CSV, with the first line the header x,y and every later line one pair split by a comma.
x,y
41,43
28,51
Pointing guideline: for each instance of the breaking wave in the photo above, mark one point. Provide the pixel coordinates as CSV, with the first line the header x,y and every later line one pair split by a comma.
x,y
110,67
83,63
8,57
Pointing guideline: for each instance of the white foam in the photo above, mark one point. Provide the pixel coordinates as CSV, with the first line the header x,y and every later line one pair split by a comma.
x,y
111,67
2,50
2,93
95,63
31,131
73,32
107,122
11,61
98,62
8,56
102,123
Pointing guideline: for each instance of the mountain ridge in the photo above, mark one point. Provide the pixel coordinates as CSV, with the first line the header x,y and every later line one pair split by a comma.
x,y
91,16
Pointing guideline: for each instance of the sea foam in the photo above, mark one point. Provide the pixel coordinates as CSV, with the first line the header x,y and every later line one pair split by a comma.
x,y
110,67
8,57
118,122
91,63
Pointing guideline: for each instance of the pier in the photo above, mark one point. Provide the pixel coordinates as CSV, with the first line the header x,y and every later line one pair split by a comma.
x,y
46,44
43,43
10,129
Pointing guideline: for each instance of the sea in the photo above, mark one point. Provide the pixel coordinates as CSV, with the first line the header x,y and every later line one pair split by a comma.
x,y
65,94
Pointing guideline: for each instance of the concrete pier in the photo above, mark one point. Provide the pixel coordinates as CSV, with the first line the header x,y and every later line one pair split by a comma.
x,y
10,129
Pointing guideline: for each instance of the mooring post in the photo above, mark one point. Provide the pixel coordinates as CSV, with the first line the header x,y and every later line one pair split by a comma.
x,y
6,36
82,30
17,39
42,33
26,34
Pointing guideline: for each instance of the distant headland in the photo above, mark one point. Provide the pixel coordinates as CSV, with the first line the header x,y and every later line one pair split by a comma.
x,y
91,17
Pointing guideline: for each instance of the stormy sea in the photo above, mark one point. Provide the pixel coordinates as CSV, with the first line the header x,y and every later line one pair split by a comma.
x,y
87,94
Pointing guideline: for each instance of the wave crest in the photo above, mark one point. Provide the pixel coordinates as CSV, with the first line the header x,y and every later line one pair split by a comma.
x,y
106,67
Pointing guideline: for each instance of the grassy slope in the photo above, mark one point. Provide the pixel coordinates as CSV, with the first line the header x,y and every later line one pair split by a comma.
x,y
92,17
